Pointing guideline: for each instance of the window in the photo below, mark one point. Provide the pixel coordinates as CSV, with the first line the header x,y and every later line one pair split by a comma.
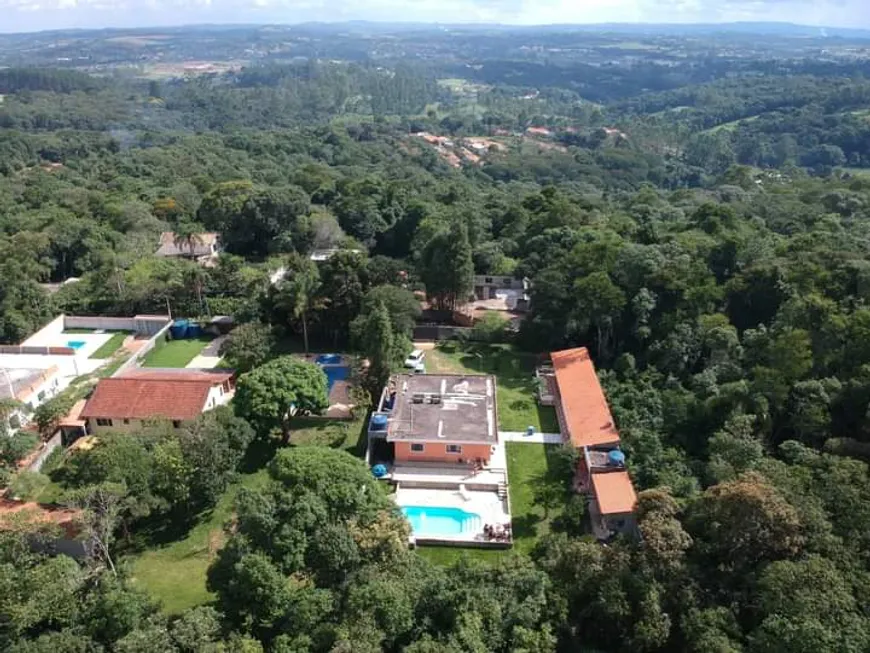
x,y
126,421
176,423
454,448
487,279
418,448
102,421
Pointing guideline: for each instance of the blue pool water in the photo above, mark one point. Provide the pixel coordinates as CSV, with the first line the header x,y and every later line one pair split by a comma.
x,y
335,373
76,344
434,521
328,359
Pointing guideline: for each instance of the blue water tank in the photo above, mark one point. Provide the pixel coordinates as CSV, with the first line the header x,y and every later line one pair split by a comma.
x,y
616,458
194,331
178,330
379,422
379,471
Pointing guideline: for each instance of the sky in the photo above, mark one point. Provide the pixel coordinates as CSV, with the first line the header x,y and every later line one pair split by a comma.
x,y
33,15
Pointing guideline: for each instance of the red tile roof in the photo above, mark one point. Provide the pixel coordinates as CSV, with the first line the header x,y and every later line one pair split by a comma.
x,y
213,377
584,405
144,398
614,493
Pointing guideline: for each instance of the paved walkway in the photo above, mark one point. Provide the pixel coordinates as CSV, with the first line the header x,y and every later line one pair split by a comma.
x,y
537,438
210,356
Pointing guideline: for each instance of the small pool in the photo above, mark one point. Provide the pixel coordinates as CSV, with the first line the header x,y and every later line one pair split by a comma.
x,y
76,344
435,521
335,373
328,359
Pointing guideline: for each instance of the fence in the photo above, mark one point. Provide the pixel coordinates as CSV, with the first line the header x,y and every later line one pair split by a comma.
x,y
133,361
49,446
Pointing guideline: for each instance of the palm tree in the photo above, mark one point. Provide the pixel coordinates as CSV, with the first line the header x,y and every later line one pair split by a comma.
x,y
187,235
297,292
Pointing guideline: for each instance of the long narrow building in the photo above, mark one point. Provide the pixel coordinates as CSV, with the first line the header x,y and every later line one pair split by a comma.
x,y
586,422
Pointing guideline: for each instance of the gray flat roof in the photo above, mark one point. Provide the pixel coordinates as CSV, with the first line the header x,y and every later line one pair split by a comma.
x,y
443,407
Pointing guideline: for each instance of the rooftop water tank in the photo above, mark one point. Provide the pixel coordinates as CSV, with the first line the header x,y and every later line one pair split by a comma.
x,y
379,471
379,422
616,458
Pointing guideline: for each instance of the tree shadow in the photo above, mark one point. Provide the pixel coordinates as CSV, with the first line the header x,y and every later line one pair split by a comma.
x,y
525,526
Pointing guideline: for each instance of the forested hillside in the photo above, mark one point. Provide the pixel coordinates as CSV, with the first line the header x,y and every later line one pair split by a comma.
x,y
700,222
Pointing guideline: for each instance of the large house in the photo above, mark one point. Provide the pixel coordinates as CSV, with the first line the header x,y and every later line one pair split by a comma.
x,y
202,248
440,418
586,422
140,395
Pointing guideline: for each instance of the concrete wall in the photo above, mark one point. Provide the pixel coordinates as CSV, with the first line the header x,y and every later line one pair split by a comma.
x,y
437,452
140,324
134,360
50,446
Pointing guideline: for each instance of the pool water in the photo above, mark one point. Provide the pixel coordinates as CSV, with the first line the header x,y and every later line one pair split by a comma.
x,y
335,373
76,344
435,521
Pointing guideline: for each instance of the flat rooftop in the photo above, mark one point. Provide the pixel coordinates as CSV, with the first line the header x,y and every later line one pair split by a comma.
x,y
443,407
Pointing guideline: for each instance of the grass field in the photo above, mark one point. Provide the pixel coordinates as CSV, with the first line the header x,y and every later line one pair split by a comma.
x,y
528,466
175,353
515,376
175,573
111,345
311,431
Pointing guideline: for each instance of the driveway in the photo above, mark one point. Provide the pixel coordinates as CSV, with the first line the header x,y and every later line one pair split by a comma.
x,y
210,356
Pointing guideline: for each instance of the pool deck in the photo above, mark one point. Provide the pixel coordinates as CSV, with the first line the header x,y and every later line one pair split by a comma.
x,y
486,504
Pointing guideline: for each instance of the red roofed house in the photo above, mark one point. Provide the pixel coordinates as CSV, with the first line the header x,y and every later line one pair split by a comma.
x,y
125,401
585,420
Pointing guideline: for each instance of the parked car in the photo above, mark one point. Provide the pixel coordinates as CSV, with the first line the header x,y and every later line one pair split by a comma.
x,y
415,361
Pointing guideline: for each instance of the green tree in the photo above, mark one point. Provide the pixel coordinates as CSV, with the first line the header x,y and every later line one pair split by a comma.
x,y
270,395
298,291
248,346
49,414
447,268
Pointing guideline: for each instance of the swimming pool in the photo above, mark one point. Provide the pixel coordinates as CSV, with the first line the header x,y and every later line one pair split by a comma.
x,y
335,373
75,344
438,521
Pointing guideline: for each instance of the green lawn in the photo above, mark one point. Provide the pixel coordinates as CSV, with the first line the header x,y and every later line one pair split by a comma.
x,y
175,353
528,467
515,375
111,345
175,573
338,434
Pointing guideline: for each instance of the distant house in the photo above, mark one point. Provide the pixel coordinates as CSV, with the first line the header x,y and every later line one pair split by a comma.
x,y
202,248
586,422
139,395
30,388
51,529
512,292
440,418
